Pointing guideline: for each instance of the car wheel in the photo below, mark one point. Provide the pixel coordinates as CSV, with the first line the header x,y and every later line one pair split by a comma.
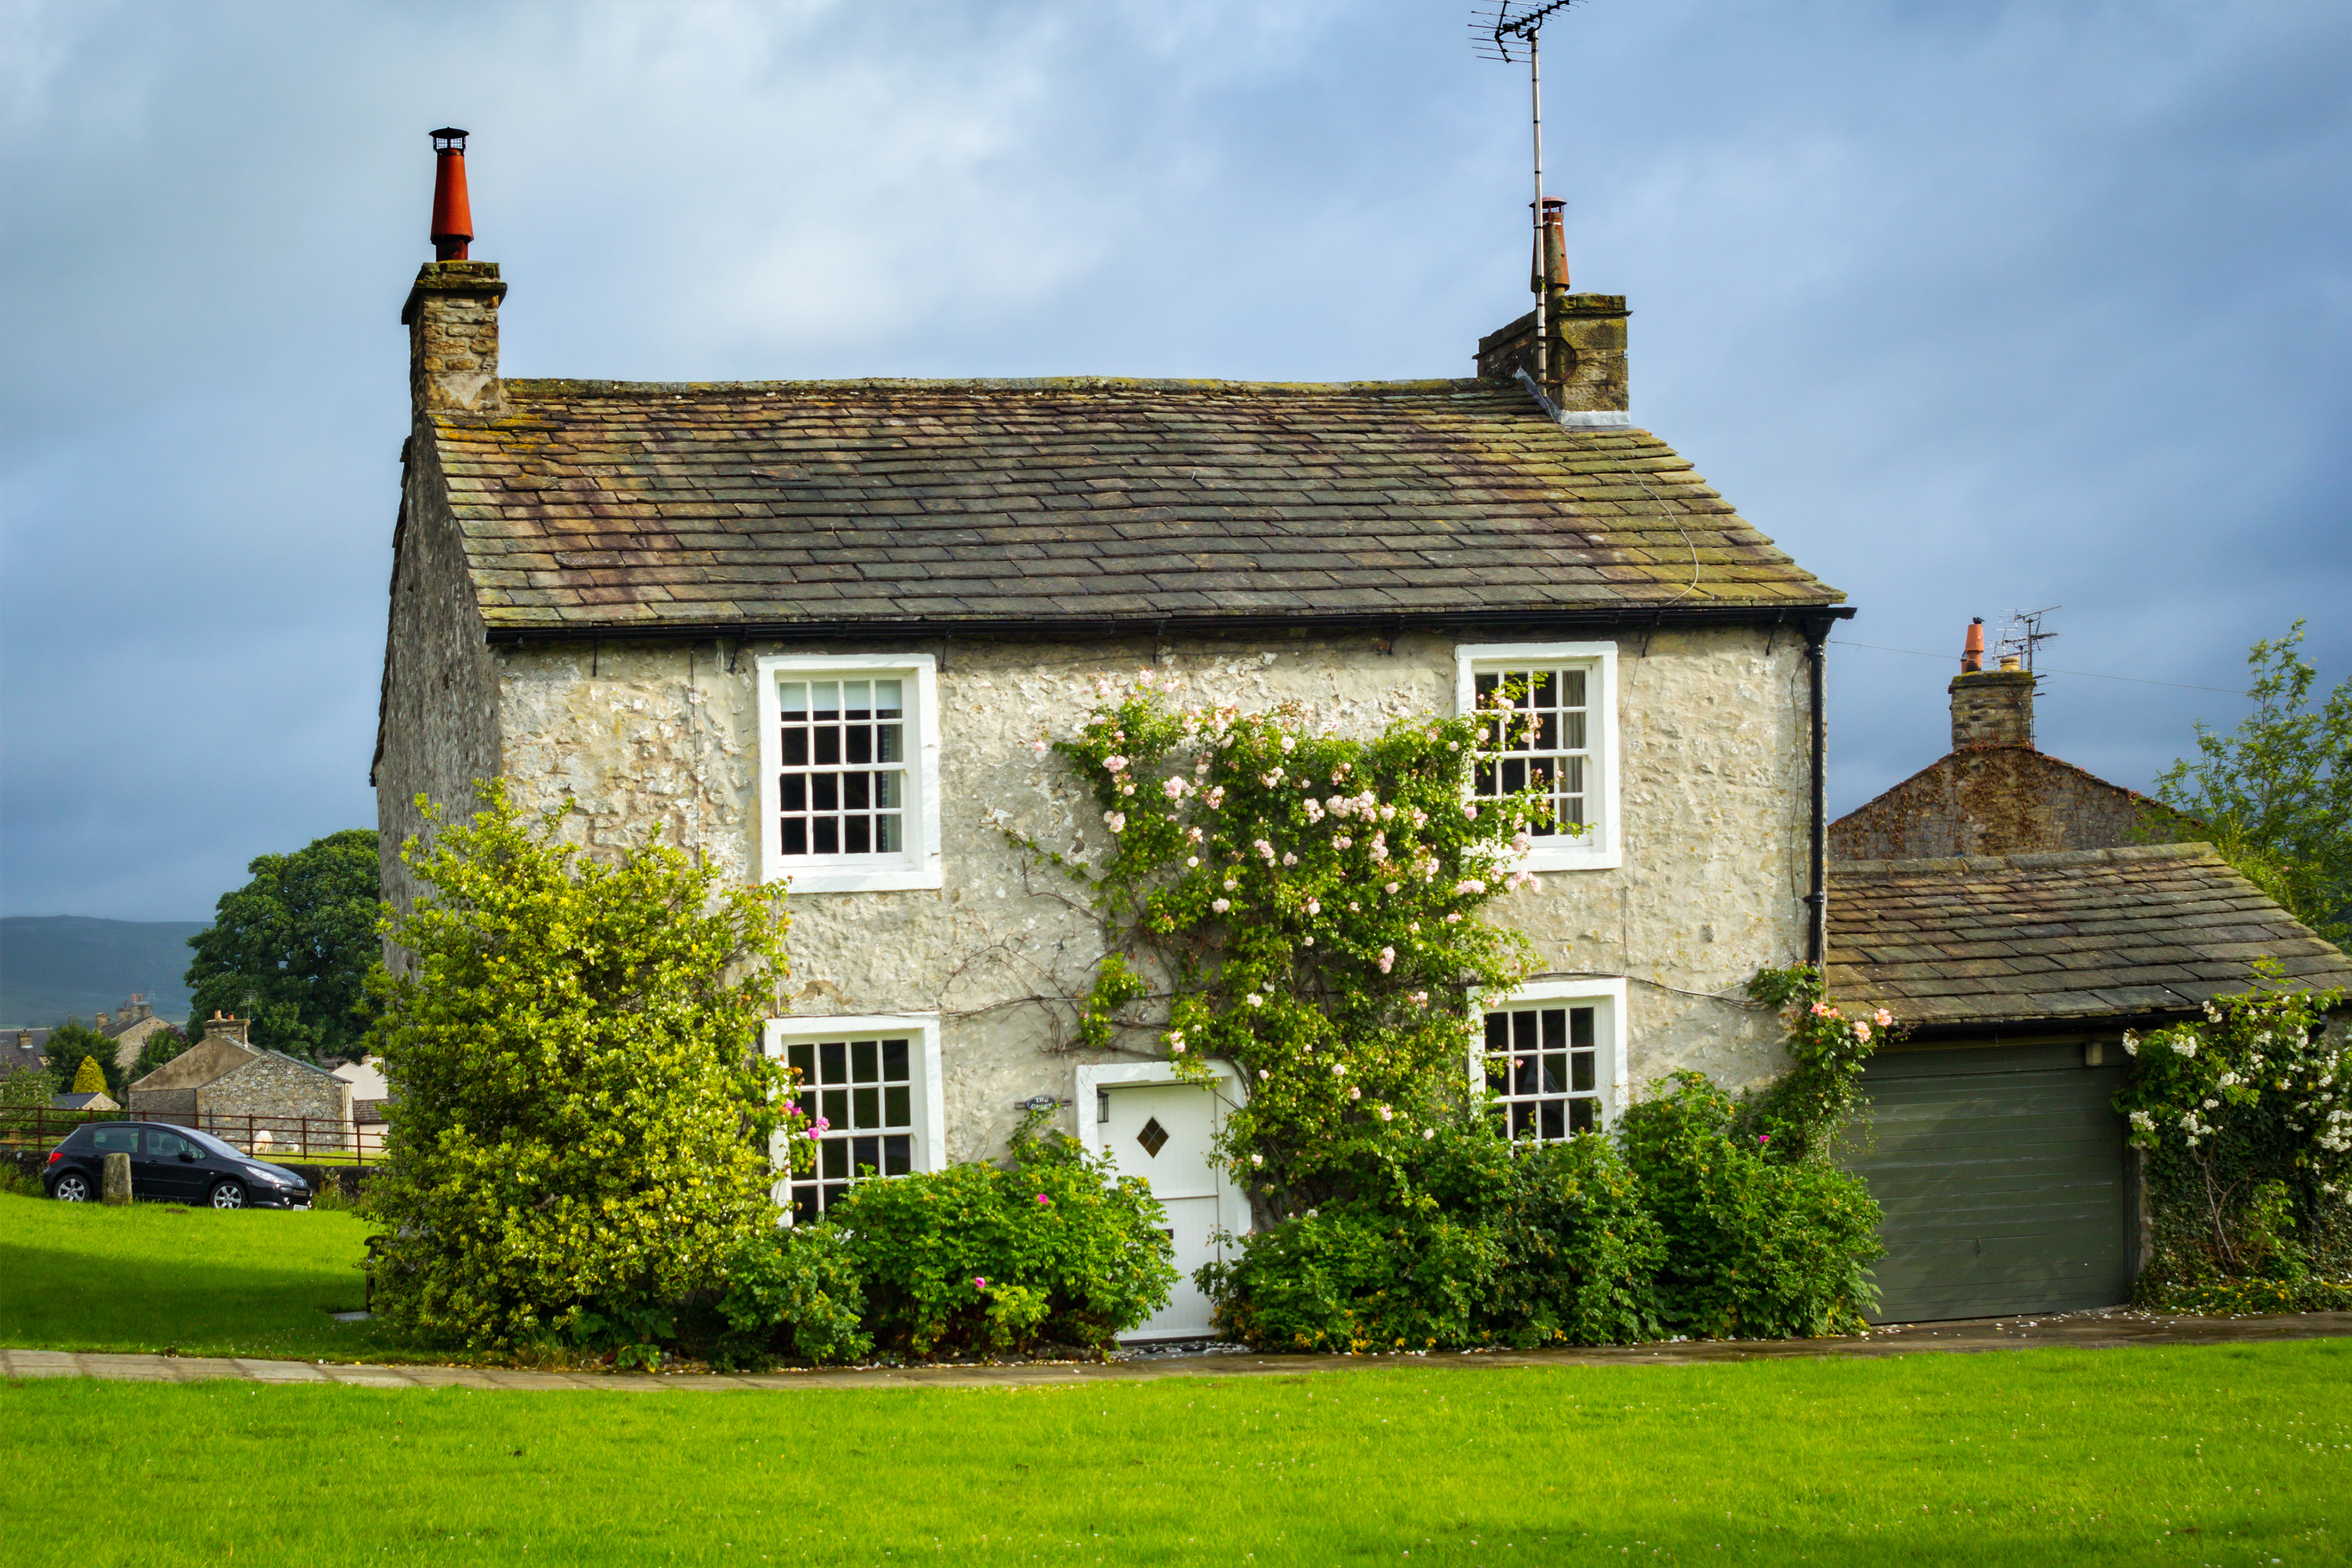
x,y
229,1196
73,1188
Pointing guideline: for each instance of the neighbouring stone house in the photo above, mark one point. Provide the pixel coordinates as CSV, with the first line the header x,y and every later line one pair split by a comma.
x,y
226,1086
813,629
99,1101
129,1027
1992,1141
23,1050
1994,793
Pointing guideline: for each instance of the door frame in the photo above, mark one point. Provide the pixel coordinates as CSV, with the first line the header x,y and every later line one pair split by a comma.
x,y
1227,1084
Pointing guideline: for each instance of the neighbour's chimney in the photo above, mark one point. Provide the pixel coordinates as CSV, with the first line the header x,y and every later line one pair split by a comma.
x,y
222,1025
1585,356
452,313
1990,707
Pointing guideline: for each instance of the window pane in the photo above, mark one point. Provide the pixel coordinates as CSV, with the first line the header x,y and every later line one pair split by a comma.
x,y
897,1108
836,1102
803,1059
1499,1032
1572,731
864,1061
1555,1028
855,835
858,697
793,790
897,1155
796,746
1555,1072
792,697
828,745
1542,690
852,791
795,836
1523,1031
1580,1028
827,696
834,1056
1552,1118
868,1156
887,838
888,743
860,744
894,1060
865,1108
1572,685
1582,1083
889,789
1583,1115
828,836
836,1157
886,703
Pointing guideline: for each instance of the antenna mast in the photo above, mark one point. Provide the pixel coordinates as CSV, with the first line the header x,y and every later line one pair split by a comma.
x,y
2022,634
1493,42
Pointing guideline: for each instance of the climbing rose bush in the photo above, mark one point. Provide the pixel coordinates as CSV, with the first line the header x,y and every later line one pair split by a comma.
x,y
1310,903
2247,1125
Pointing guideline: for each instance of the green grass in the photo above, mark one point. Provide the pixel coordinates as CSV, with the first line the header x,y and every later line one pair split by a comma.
x,y
255,1282
2217,1455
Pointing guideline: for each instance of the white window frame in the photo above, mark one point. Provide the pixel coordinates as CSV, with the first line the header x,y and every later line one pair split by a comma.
x,y
1609,1070
918,866
1232,1201
1602,848
925,1075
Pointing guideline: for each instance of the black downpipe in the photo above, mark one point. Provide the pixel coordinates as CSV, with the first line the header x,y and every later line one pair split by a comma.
x,y
1817,901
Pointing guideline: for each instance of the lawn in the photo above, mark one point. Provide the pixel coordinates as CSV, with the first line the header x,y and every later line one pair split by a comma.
x,y
253,1282
2219,1455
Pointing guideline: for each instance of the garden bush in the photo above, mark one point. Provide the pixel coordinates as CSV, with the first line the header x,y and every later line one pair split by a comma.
x,y
1755,1247
1478,1241
578,1144
1054,1250
794,1291
2246,1121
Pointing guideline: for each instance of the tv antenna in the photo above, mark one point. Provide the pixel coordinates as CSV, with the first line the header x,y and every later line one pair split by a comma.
x,y
2022,633
1492,34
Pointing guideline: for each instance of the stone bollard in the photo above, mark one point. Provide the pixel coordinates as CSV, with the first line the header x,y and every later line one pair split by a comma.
x,y
117,1180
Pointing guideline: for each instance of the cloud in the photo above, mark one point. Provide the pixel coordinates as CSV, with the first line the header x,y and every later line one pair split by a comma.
x,y
1971,307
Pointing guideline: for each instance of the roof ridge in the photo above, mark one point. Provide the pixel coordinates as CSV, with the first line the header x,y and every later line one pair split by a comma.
x,y
2032,861
524,387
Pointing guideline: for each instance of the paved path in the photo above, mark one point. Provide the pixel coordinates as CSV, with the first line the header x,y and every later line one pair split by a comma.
x,y
2108,1329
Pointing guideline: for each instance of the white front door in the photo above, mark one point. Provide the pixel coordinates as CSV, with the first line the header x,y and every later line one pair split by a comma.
x,y
1163,1131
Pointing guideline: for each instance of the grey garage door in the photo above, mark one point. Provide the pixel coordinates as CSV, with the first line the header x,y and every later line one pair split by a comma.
x,y
2002,1171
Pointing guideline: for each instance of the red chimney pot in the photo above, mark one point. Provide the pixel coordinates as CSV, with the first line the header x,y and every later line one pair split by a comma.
x,y
453,216
1972,651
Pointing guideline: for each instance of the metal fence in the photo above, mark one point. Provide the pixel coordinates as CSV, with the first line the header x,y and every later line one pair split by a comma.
x,y
301,1139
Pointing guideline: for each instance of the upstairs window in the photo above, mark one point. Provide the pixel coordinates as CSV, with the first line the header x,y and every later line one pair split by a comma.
x,y
849,785
1550,722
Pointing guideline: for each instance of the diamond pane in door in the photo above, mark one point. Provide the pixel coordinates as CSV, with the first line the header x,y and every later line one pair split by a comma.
x,y
1161,1132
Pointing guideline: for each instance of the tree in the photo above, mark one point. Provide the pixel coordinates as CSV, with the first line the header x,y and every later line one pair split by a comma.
x,y
579,1138
27,1088
2276,797
90,1078
71,1044
292,948
163,1046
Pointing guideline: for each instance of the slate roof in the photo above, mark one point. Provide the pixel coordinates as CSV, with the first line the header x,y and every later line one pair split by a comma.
x,y
2076,935
661,509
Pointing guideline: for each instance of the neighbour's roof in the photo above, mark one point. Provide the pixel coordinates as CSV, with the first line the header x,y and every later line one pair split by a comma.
x,y
660,508
2077,935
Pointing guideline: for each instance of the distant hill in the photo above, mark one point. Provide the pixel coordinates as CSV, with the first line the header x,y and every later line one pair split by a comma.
x,y
54,965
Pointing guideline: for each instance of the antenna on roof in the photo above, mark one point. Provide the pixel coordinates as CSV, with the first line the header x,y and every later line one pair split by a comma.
x,y
1492,34
2022,633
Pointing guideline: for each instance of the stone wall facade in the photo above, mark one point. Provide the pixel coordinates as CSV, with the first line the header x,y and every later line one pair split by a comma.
x,y
291,1100
1992,800
1713,796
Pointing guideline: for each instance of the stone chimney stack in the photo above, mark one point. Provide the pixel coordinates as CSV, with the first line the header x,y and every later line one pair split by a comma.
x,y
220,1025
452,313
1584,356
1990,707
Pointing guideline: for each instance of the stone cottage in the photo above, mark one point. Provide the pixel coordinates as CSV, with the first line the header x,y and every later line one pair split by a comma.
x,y
1997,903
130,1027
811,629
247,1093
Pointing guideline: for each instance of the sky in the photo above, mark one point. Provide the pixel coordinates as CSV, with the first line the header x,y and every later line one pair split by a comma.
x,y
1971,307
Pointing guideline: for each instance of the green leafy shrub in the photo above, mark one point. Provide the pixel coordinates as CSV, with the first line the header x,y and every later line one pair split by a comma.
x,y
90,1078
1052,1251
2246,1120
794,1290
1357,1280
578,1144
73,1044
1756,1248
1478,1241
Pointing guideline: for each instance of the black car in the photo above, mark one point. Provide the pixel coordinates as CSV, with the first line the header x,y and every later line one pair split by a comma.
x,y
173,1165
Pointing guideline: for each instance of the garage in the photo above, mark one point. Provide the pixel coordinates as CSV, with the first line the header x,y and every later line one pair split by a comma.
x,y
2004,1178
